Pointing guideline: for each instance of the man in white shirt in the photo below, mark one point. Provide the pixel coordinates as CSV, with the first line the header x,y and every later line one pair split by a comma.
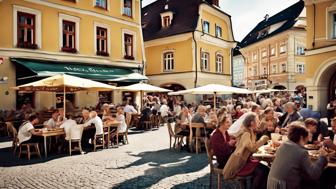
x,y
164,109
52,122
67,124
130,109
98,123
27,131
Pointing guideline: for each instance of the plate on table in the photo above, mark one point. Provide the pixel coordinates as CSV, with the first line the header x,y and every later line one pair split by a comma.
x,y
314,154
311,147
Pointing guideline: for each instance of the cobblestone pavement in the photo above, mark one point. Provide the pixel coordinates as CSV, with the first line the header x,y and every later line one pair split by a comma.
x,y
146,162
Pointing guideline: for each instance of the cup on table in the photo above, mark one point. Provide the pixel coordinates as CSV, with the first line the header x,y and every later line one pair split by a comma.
x,y
275,137
284,138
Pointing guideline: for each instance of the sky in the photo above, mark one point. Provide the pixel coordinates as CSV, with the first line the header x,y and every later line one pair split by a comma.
x,y
246,14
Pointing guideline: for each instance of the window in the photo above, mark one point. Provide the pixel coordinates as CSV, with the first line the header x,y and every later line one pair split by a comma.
x,y
218,31
26,30
128,46
101,4
206,27
283,67
69,37
299,50
127,9
272,51
205,61
264,54
274,69
101,41
264,70
219,63
254,57
255,73
282,48
168,61
300,68
166,21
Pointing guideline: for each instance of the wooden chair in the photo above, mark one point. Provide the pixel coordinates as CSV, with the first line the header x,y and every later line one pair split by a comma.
x,y
12,132
124,136
213,165
155,120
27,151
101,143
197,137
76,132
128,119
177,138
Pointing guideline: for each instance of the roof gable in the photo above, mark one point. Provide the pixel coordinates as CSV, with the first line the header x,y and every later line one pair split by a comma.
x,y
278,23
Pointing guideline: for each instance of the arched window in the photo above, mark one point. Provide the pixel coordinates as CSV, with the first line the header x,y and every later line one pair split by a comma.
x,y
168,61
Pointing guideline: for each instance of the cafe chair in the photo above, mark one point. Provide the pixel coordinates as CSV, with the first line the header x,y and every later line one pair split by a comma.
x,y
124,136
128,120
28,147
243,182
147,125
177,138
12,132
76,132
196,136
98,141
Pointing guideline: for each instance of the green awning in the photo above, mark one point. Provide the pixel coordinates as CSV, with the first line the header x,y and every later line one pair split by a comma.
x,y
88,71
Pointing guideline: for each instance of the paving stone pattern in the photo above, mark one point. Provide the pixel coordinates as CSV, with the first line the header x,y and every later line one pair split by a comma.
x,y
146,162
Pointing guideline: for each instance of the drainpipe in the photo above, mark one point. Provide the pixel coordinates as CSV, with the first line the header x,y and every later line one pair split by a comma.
x,y
196,70
314,8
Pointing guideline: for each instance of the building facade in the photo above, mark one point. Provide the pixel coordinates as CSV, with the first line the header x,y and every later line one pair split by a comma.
x,y
321,53
95,39
274,50
187,43
238,69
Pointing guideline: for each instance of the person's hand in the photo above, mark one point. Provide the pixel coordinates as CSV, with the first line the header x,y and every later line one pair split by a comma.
x,y
265,138
232,142
323,152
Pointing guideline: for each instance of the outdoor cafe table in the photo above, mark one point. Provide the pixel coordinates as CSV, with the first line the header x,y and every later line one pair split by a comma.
x,y
262,155
45,134
108,125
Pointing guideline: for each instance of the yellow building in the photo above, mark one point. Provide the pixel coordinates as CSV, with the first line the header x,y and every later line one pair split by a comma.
x,y
321,53
187,43
95,39
274,50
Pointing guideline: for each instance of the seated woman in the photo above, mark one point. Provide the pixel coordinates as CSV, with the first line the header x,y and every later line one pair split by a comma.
x,y
240,162
182,121
107,114
292,161
311,125
221,143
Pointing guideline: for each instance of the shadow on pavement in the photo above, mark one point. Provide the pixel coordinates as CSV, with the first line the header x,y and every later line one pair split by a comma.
x,y
163,164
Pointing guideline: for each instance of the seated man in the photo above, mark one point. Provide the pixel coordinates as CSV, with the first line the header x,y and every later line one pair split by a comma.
x,y
96,121
311,125
88,132
27,132
66,125
85,117
290,116
199,117
61,118
52,122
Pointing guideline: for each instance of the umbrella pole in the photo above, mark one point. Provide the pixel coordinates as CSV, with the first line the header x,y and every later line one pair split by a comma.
x,y
141,100
215,102
64,101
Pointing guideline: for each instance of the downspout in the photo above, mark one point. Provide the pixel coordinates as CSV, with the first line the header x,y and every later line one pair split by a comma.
x,y
196,70
143,72
314,29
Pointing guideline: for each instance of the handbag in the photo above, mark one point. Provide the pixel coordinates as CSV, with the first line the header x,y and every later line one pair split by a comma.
x,y
249,167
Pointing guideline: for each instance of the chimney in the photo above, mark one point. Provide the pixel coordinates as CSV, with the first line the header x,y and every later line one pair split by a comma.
x,y
266,17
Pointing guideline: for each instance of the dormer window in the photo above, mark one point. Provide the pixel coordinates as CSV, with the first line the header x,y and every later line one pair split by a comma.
x,y
166,19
